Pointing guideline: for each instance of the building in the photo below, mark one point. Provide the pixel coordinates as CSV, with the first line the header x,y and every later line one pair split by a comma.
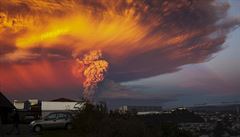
x,y
33,102
19,104
34,109
61,104
141,110
5,108
28,110
26,105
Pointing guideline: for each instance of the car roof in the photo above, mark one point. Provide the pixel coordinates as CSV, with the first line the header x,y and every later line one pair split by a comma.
x,y
60,113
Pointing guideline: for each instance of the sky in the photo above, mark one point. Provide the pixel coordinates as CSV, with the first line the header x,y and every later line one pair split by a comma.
x,y
181,53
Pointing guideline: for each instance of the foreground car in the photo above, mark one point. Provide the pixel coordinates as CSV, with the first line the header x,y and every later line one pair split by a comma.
x,y
53,120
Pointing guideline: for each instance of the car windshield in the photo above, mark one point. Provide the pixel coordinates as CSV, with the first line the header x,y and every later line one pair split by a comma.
x,y
62,116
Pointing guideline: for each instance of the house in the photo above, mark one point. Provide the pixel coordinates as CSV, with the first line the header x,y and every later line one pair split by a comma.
x,y
34,109
26,105
19,104
28,110
61,104
5,108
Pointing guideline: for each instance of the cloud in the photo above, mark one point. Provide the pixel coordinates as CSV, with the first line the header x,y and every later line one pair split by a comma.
x,y
139,39
112,90
208,81
18,55
116,94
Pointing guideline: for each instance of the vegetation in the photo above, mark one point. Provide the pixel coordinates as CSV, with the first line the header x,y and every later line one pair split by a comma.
x,y
58,133
95,121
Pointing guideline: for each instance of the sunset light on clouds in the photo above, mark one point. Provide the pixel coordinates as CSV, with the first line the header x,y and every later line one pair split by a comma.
x,y
40,41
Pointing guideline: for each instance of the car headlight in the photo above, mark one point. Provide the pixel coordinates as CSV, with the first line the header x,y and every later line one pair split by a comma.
x,y
33,122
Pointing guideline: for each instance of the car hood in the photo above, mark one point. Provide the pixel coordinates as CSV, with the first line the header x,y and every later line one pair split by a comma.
x,y
37,121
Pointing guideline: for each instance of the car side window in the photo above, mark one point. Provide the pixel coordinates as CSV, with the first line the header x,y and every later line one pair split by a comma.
x,y
62,116
51,116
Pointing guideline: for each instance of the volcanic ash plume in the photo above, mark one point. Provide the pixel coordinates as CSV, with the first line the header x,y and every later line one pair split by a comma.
x,y
92,68
140,38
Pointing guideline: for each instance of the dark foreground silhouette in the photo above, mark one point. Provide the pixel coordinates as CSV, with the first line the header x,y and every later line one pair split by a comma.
x,y
96,121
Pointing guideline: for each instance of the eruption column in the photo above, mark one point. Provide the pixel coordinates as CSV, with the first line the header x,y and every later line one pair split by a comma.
x,y
92,68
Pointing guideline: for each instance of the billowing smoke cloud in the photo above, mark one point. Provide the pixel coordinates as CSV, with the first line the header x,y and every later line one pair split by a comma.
x,y
117,94
140,39
92,68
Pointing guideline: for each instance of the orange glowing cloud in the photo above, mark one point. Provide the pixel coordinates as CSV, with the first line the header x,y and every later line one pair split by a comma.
x,y
139,39
39,75
92,68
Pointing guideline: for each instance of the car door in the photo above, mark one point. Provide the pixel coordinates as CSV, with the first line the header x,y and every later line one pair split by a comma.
x,y
50,121
61,119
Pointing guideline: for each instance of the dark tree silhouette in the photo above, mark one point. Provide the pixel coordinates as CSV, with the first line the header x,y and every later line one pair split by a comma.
x,y
96,121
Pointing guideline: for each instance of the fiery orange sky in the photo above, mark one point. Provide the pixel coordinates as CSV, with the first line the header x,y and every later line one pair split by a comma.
x,y
40,39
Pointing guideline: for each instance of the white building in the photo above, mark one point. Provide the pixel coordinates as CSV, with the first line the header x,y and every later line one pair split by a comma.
x,y
59,105
25,105
33,101
19,104
141,110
